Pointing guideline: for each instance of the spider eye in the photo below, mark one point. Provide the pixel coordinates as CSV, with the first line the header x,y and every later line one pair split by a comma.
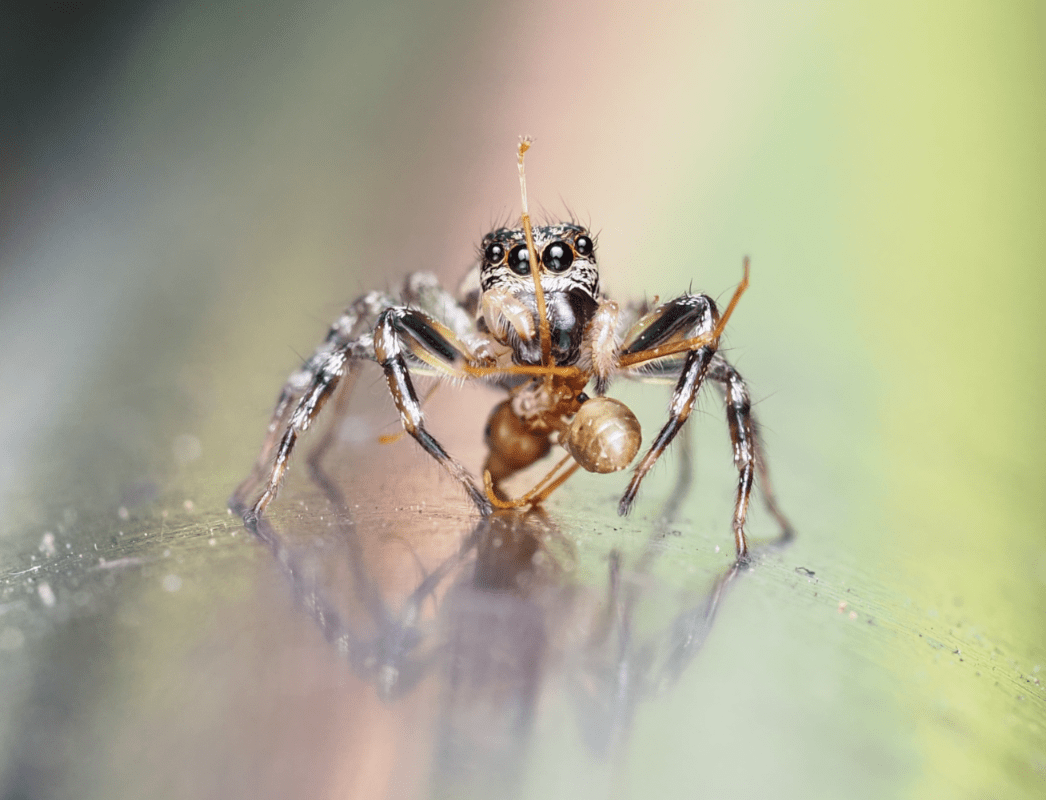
x,y
558,257
494,253
584,246
519,260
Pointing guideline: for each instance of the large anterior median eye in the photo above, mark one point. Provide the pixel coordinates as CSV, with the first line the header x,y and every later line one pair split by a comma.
x,y
494,253
558,257
519,260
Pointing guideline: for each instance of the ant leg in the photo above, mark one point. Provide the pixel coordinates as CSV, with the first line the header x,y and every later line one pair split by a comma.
x,y
404,329
683,318
748,452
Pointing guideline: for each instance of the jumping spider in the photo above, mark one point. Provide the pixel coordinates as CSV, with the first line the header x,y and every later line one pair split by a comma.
x,y
542,330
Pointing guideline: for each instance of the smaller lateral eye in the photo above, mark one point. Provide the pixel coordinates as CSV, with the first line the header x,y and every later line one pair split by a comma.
x,y
519,260
584,245
558,256
494,253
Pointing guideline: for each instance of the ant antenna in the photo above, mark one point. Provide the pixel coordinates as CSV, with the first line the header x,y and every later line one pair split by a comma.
x,y
535,266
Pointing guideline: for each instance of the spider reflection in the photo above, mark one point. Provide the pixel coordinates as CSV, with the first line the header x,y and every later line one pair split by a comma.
x,y
495,621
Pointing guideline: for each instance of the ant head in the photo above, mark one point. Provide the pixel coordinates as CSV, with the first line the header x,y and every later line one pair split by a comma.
x,y
567,252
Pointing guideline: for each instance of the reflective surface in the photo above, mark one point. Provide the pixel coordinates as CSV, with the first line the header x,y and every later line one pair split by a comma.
x,y
189,227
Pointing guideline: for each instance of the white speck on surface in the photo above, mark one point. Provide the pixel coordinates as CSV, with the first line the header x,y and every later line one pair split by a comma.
x,y
186,448
11,639
119,563
123,513
47,546
189,505
46,593
212,541
171,583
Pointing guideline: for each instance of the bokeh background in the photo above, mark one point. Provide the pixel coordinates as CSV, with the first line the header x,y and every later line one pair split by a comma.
x,y
190,192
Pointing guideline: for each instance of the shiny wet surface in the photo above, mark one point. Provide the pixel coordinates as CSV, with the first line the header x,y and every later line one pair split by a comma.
x,y
375,638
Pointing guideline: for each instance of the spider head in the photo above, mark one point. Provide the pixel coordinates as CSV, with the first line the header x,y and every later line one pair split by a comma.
x,y
568,260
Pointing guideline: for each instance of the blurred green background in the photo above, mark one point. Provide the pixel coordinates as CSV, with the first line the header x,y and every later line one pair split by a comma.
x,y
190,192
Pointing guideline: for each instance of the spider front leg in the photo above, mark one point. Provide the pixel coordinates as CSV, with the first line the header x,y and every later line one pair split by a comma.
x,y
686,317
402,330
695,368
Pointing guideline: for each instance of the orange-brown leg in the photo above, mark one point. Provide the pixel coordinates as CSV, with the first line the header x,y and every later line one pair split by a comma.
x,y
541,490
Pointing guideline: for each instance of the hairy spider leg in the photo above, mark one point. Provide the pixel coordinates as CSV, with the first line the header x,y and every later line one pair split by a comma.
x,y
681,346
691,377
324,382
742,437
392,438
341,403
436,345
682,316
350,333
748,449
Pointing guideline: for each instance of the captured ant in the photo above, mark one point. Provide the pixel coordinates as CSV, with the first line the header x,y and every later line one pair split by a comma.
x,y
540,329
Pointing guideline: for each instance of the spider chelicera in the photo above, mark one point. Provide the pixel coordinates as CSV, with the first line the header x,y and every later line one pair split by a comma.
x,y
541,329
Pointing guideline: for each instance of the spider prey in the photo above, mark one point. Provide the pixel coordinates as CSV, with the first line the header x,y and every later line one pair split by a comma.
x,y
540,329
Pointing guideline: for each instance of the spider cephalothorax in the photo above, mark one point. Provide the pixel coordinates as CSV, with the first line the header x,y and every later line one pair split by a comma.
x,y
542,331
568,259
569,280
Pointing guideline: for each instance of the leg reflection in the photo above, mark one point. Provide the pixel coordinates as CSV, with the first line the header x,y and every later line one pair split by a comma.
x,y
489,624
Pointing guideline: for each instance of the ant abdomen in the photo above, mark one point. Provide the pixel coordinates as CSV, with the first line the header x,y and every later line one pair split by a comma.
x,y
512,445
604,436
